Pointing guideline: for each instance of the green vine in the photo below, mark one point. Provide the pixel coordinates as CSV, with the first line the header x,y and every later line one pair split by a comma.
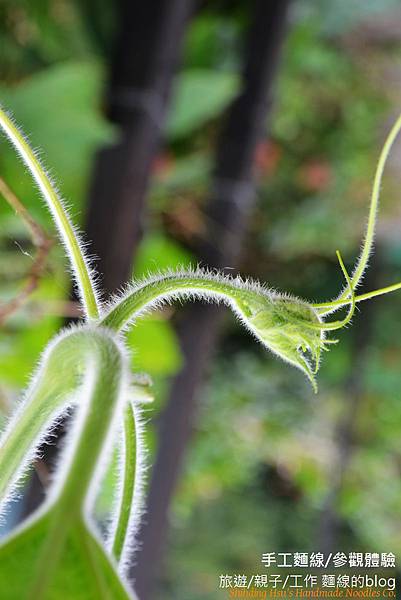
x,y
59,552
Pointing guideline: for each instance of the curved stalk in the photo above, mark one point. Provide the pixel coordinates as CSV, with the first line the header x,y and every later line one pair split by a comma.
x,y
286,325
134,303
169,286
80,266
48,395
104,388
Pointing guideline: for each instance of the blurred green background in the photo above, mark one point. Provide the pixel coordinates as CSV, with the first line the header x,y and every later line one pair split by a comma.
x,y
271,466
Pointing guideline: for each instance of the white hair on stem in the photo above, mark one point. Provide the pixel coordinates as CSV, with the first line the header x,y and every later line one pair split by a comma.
x,y
84,275
206,289
128,510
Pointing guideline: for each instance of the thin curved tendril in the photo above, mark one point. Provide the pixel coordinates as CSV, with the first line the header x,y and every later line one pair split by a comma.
x,y
370,230
327,307
339,303
61,218
339,324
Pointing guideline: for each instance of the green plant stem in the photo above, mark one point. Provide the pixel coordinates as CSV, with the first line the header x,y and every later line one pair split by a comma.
x,y
129,475
171,286
23,438
105,365
61,218
281,323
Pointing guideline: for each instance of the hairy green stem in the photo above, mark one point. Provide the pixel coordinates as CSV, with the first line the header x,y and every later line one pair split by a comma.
x,y
123,312
179,285
129,475
61,218
288,326
105,366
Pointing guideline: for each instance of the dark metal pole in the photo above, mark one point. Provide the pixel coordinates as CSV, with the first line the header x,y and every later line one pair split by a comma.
x,y
146,54
231,201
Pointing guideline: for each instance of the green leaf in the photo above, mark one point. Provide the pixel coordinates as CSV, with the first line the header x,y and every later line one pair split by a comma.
x,y
74,566
187,174
25,343
158,252
200,95
156,347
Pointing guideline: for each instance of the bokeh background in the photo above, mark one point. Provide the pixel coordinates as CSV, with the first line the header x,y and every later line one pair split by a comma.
x,y
248,460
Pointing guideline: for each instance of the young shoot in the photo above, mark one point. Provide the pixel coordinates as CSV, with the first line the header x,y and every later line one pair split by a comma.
x,y
59,552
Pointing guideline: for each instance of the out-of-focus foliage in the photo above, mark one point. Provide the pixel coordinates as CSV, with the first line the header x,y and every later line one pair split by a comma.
x,y
337,18
190,109
266,455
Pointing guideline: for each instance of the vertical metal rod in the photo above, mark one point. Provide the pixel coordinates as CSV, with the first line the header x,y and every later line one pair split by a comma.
x,y
147,51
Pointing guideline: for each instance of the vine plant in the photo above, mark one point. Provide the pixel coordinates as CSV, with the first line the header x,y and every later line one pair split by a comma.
x,y
59,551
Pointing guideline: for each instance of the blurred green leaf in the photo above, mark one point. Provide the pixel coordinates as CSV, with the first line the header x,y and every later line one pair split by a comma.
x,y
188,174
155,347
200,96
157,253
341,16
